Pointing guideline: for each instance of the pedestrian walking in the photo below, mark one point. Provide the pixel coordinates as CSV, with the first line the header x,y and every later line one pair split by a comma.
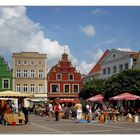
x,y
56,111
78,108
26,114
89,113
50,110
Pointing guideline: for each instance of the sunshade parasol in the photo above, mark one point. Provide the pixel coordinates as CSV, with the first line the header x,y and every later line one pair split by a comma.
x,y
125,96
96,98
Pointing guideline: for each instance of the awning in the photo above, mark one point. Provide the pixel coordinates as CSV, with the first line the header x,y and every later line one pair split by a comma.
x,y
67,101
13,94
37,99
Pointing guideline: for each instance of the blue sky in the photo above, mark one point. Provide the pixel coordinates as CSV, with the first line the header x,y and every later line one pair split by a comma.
x,y
84,31
116,27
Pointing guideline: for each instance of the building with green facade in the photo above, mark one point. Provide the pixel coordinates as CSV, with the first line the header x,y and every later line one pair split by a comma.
x,y
6,80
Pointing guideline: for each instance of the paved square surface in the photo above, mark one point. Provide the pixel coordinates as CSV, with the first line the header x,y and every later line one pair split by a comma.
x,y
41,125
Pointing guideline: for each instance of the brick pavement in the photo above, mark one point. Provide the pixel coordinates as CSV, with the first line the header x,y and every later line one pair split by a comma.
x,y
41,125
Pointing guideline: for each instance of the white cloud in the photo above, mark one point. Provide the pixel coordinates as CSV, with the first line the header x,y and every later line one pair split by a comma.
x,y
124,49
10,12
95,56
19,33
84,66
97,11
88,30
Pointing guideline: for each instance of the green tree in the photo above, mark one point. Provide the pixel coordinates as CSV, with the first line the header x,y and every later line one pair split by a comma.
x,y
93,87
126,81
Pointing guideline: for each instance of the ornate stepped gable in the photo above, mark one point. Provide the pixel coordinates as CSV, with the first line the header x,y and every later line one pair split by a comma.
x,y
65,69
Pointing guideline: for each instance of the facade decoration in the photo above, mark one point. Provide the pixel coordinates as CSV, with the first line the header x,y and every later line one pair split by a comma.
x,y
5,76
64,82
30,73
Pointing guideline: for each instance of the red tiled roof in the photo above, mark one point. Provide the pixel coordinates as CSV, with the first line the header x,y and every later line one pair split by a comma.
x,y
135,55
97,67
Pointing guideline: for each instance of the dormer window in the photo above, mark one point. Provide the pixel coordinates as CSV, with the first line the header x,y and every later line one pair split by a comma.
x,y
19,62
39,63
59,77
25,63
71,77
114,55
32,63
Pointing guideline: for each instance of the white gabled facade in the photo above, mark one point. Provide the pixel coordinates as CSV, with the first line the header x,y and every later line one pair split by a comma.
x,y
117,61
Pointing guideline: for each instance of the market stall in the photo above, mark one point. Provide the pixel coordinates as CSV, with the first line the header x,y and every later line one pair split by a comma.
x,y
13,116
14,119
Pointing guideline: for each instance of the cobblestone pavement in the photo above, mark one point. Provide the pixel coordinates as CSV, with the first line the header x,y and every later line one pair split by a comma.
x,y
41,125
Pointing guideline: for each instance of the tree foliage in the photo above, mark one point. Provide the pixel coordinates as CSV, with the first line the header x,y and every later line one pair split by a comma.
x,y
92,88
126,81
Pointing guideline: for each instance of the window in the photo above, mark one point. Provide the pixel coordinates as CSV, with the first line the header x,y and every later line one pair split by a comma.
x,y
32,63
75,88
25,63
18,73
40,74
114,69
108,70
32,74
18,62
104,71
25,73
55,88
59,77
67,88
71,77
40,88
114,55
39,63
32,88
18,88
121,67
126,66
25,88
6,83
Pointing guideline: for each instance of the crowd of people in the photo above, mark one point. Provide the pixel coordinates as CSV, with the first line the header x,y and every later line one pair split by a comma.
x,y
98,111
11,108
53,109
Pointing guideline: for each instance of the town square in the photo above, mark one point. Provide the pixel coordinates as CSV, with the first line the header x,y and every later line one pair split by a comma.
x,y
40,125
69,70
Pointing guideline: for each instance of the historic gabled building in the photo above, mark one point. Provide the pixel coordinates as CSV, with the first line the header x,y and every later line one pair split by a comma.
x,y
113,61
117,61
6,80
30,73
64,81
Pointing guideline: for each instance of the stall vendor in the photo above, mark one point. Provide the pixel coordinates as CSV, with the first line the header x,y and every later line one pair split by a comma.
x,y
7,109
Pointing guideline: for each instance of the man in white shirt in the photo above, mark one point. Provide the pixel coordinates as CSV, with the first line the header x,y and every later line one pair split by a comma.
x,y
50,113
